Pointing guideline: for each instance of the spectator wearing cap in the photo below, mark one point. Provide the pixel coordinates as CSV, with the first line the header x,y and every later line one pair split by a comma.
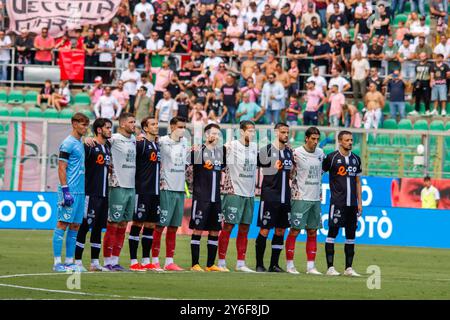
x,y
90,45
23,44
106,49
44,44
96,90
130,78
306,19
272,99
252,30
396,88
5,55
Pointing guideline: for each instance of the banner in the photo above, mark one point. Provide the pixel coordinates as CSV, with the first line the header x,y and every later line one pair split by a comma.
x,y
23,156
71,65
59,15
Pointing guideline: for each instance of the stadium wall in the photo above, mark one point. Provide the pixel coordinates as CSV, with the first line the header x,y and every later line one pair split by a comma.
x,y
383,222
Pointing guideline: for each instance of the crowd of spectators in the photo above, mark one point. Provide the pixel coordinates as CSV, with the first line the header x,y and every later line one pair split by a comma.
x,y
327,62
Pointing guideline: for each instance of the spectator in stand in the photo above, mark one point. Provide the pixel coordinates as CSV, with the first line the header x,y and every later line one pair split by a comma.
x,y
122,57
381,22
440,72
61,98
260,46
91,60
216,109
272,99
423,47
44,44
390,51
145,81
23,44
230,94
166,108
293,74
155,46
396,88
312,31
422,89
5,55
198,115
105,60
293,113
374,103
251,90
288,21
337,101
107,106
163,76
306,19
360,72
248,110
375,53
137,53
143,105
220,76
443,47
46,94
143,7
130,78
144,25
406,55
321,54
315,99
359,46
339,80
184,105
420,30
121,95
351,117
319,81
64,42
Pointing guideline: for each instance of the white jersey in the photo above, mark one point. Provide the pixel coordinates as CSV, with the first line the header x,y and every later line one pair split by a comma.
x,y
240,172
123,151
173,163
307,184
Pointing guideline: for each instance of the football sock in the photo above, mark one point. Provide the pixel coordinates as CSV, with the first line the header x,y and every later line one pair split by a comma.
x,y
212,249
95,262
241,245
240,263
224,238
95,250
58,238
81,240
195,248
260,247
170,243
109,240
311,249
71,240
329,251
349,249
147,239
290,264
120,237
277,247
133,241
96,241
156,245
290,247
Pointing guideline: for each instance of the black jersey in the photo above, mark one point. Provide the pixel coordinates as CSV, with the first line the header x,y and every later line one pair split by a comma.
x,y
343,172
207,167
276,167
147,167
97,162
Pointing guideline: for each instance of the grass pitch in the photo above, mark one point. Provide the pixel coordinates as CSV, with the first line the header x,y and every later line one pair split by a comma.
x,y
406,273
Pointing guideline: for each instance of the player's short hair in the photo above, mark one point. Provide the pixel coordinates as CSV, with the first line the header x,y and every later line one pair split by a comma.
x,y
100,123
244,124
280,125
79,117
177,119
343,133
210,126
124,116
144,122
427,178
310,131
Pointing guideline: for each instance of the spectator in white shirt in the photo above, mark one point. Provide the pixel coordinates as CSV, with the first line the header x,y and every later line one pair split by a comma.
x,y
147,84
5,55
178,24
320,82
260,46
166,109
339,81
105,47
154,44
212,44
146,7
130,78
211,64
360,72
62,97
108,106
406,55
442,48
359,46
242,47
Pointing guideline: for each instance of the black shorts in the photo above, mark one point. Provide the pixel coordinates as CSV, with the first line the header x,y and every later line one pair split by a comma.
x,y
96,211
273,214
146,208
206,216
343,216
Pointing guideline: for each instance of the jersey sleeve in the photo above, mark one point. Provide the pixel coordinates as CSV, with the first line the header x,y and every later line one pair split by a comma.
x,y
65,150
326,164
263,159
358,166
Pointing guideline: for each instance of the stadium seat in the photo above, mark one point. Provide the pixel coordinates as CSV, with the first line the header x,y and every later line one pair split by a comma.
x,y
400,17
329,148
408,107
407,7
414,140
405,124
3,96
383,140
50,113
420,125
3,140
4,111
15,97
18,111
83,99
399,140
88,113
4,127
66,113
437,125
360,106
30,97
390,124
34,113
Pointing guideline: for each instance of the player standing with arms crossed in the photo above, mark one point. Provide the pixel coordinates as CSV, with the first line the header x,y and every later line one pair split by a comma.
x,y
239,199
70,193
305,203
122,190
346,201
146,213
276,161
207,163
97,162
174,151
